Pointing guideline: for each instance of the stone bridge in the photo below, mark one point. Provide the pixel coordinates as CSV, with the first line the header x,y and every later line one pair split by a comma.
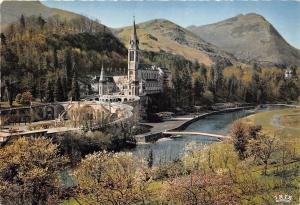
x,y
33,113
113,98
83,115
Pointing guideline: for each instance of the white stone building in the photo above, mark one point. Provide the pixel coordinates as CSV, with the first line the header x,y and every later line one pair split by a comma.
x,y
141,79
288,74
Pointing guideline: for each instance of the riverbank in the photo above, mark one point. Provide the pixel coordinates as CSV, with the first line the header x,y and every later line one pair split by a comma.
x,y
178,123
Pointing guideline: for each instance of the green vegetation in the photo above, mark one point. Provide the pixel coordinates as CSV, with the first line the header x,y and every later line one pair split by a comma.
x,y
268,121
58,57
29,172
24,98
252,168
198,84
107,178
292,121
55,56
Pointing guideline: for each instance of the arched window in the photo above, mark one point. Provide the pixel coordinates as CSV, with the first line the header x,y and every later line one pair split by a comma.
x,y
131,55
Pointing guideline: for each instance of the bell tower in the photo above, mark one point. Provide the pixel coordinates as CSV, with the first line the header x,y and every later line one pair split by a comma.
x,y
102,82
133,62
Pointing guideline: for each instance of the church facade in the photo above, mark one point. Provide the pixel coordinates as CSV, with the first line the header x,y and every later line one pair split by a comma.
x,y
141,79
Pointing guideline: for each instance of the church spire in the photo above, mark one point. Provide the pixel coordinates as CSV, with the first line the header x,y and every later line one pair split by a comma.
x,y
102,74
134,42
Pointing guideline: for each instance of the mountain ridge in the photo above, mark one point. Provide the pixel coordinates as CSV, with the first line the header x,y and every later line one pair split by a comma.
x,y
250,38
12,10
163,35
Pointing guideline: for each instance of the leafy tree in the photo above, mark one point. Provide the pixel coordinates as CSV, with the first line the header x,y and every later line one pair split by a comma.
x,y
108,178
187,87
203,72
58,91
240,138
198,89
254,131
9,72
49,92
22,21
177,86
3,38
65,88
9,91
76,145
241,134
150,159
41,22
29,172
26,98
75,90
18,98
200,188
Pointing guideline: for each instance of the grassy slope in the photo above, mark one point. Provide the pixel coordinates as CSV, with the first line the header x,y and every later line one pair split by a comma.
x,y
292,120
290,136
265,119
12,10
162,35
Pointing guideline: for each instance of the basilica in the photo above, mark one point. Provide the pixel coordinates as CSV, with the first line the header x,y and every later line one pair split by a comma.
x,y
141,79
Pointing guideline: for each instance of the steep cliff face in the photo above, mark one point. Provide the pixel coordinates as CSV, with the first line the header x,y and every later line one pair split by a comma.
x,y
250,38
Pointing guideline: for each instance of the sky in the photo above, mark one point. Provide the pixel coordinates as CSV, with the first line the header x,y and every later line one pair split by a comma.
x,y
284,15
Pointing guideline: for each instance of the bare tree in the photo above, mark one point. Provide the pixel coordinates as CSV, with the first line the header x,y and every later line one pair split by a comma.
x,y
262,148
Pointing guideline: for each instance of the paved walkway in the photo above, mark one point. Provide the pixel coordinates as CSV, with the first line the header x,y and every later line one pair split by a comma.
x,y
169,124
4,136
218,136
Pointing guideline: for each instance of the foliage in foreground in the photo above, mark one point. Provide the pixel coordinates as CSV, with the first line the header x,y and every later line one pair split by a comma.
x,y
213,175
108,178
29,172
200,188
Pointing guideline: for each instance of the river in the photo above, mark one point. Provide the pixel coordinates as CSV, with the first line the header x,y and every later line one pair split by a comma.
x,y
170,149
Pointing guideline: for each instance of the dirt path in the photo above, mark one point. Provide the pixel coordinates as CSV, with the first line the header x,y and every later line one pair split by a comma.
x,y
276,122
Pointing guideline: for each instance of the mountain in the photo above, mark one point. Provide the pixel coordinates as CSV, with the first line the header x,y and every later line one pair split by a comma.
x,y
250,38
12,10
163,35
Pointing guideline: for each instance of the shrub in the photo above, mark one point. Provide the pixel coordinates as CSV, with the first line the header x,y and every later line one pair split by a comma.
x,y
107,177
25,98
18,98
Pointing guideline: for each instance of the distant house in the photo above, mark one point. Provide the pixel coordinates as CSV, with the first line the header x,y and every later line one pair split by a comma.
x,y
289,74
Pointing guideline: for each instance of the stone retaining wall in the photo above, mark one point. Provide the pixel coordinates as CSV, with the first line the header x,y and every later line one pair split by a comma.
x,y
152,137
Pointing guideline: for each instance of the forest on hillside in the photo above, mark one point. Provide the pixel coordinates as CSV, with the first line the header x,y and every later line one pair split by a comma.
x,y
197,84
56,59
50,57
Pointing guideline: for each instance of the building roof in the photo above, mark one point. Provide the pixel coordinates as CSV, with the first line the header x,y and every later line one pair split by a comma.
x,y
147,67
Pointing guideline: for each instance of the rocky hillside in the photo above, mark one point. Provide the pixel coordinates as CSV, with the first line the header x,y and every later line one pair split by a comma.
x,y
12,10
250,38
163,35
